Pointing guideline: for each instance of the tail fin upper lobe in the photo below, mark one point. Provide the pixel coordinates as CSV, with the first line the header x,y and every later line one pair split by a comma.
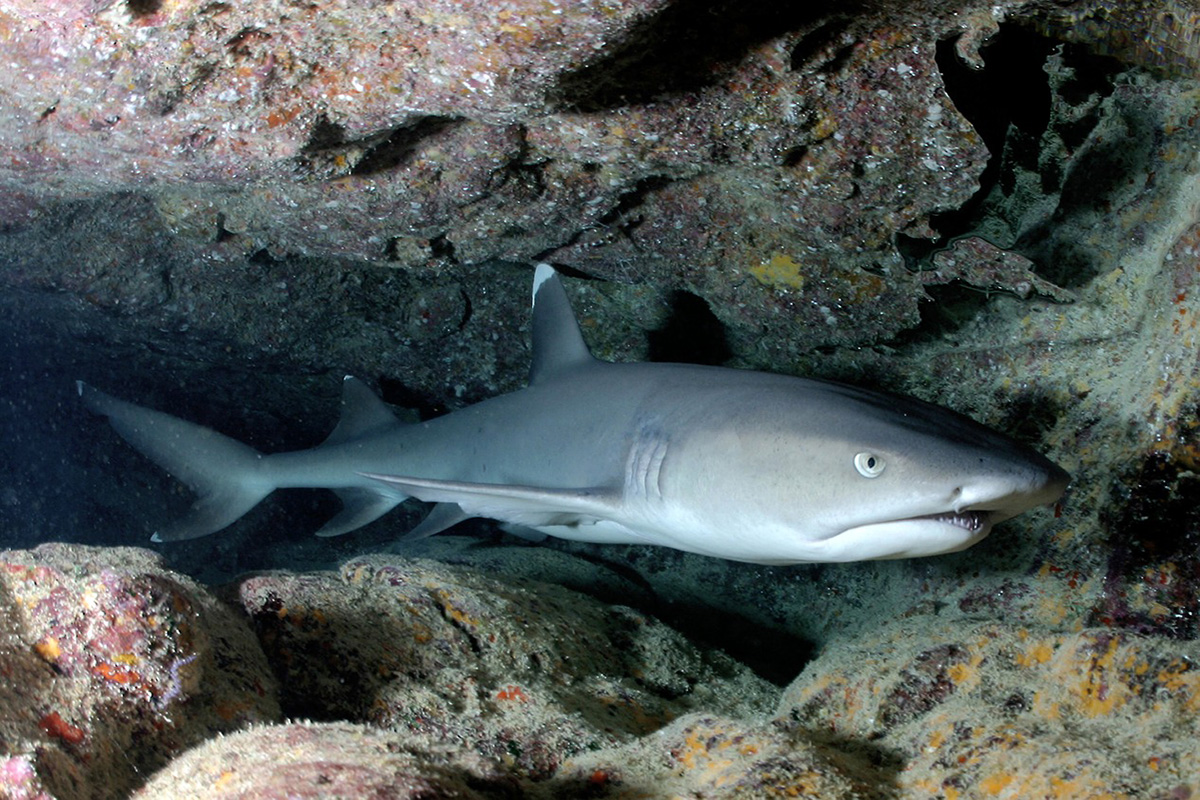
x,y
225,474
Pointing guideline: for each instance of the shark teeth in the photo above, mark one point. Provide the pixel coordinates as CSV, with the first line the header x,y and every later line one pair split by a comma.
x,y
972,521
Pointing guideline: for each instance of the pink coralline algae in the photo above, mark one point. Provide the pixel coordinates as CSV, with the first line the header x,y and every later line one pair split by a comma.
x,y
19,780
114,665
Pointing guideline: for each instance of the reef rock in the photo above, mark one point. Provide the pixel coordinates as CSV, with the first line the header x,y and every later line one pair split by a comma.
x,y
996,710
312,761
525,673
112,665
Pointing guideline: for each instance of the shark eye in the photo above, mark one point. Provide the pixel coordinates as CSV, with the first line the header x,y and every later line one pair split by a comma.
x,y
869,465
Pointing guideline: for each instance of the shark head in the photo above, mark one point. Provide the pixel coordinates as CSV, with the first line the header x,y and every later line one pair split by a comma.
x,y
847,474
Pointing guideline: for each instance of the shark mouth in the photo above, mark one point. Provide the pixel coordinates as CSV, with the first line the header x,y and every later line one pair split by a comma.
x,y
971,521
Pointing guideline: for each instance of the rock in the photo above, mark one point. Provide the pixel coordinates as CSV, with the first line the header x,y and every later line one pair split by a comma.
x,y
524,673
301,760
1002,710
714,757
113,665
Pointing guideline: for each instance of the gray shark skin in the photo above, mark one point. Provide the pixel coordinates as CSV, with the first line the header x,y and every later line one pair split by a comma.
x,y
741,465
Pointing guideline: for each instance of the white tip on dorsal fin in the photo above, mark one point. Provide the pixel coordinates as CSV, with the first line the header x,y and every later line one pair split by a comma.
x,y
557,341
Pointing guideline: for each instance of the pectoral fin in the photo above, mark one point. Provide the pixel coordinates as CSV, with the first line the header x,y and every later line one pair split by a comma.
x,y
522,505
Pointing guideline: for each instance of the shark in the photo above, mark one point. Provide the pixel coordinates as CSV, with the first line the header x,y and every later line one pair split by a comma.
x,y
736,464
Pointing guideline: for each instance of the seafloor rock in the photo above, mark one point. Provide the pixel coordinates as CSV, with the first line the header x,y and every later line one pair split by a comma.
x,y
317,761
525,673
111,665
715,757
997,710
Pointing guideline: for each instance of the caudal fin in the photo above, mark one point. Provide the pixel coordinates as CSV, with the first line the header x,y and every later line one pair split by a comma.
x,y
225,474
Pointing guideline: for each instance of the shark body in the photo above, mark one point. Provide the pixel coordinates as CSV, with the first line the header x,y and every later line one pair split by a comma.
x,y
741,465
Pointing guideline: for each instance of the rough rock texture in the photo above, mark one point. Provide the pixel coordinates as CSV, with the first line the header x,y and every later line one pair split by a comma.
x,y
218,210
299,761
995,710
768,171
111,665
525,673
717,757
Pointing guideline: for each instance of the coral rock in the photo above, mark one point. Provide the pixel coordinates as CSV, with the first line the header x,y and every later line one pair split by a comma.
x,y
113,664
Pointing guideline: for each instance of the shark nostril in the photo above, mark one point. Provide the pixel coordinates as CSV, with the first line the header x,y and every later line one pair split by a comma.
x,y
956,499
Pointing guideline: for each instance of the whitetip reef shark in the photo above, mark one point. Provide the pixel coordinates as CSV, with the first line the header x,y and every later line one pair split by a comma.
x,y
742,465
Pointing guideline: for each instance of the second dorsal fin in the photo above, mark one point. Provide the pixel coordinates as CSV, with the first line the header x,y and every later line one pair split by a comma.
x,y
362,413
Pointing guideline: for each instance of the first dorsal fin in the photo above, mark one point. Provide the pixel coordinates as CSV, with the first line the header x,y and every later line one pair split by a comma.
x,y
362,413
557,341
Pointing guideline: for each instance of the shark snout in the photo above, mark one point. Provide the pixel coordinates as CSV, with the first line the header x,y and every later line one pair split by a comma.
x,y
1007,495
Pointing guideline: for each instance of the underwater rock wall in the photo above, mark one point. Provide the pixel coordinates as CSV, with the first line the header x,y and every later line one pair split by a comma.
x,y
767,160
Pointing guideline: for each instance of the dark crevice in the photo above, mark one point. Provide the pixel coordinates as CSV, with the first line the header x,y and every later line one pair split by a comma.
x,y
692,335
634,198
1093,182
391,251
949,307
523,176
772,654
1012,89
325,135
328,151
521,180
223,234
686,47
794,155
1030,416
263,257
1008,103
143,8
624,217
394,150
239,44
1011,103
396,393
810,45
468,309
441,247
